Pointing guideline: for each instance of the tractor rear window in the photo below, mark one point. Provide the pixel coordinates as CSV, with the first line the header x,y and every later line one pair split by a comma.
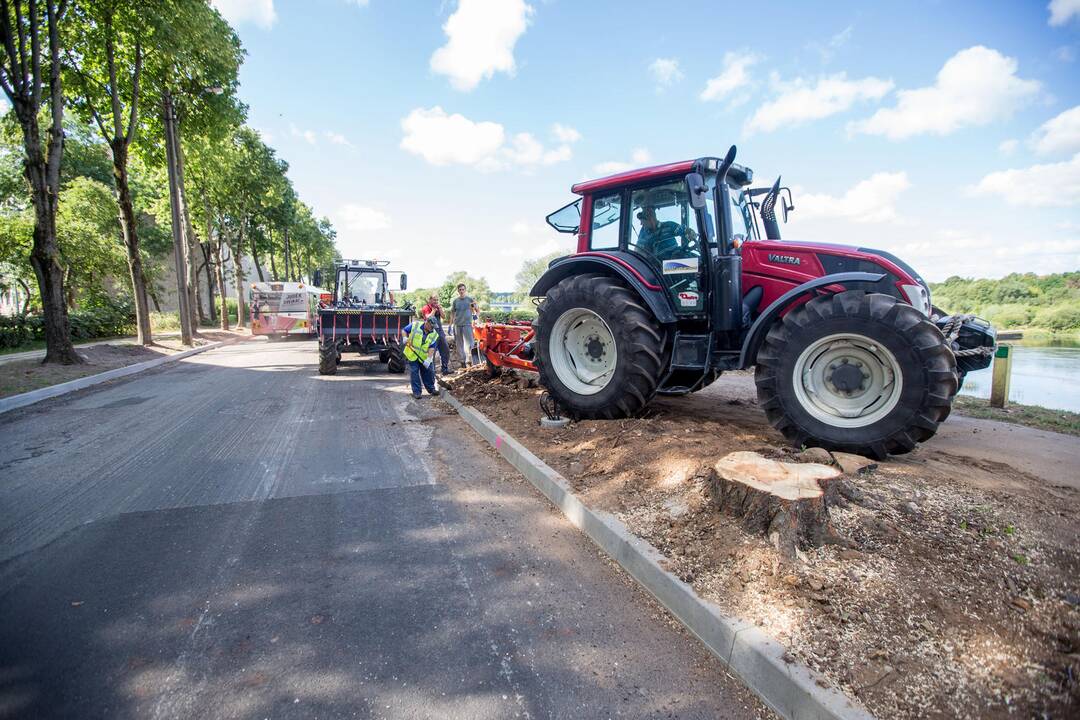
x,y
607,209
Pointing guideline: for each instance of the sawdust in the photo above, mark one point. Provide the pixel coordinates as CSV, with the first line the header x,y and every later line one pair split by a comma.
x,y
959,598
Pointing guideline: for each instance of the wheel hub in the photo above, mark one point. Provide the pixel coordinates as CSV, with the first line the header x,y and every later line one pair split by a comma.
x,y
847,380
582,351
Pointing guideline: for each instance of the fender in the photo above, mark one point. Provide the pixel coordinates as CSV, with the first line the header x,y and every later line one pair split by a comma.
x,y
757,332
637,276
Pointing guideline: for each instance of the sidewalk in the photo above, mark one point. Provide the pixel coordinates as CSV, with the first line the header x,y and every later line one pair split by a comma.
x,y
37,354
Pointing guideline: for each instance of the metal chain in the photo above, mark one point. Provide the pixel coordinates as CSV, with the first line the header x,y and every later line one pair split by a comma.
x,y
951,331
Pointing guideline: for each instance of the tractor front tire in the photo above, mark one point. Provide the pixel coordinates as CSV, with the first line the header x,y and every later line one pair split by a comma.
x,y
857,372
328,358
395,360
599,351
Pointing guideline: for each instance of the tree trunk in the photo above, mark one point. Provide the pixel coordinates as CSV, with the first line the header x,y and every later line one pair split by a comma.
x,y
26,300
194,300
42,173
255,258
288,254
273,265
205,247
238,271
219,271
131,242
783,501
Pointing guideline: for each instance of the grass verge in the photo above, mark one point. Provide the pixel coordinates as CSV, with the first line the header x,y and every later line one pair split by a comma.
x,y
1032,416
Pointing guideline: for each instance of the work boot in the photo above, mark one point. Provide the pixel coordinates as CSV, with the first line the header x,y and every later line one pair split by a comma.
x,y
434,392
417,396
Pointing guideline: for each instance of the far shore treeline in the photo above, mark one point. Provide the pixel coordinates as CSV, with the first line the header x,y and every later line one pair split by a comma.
x,y
1047,302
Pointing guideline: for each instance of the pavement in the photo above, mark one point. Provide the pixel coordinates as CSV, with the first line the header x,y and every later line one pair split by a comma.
x,y
234,535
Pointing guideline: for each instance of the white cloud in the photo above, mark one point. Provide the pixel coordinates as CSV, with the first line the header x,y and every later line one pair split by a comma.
x,y
731,78
443,139
800,101
837,41
871,200
565,133
533,241
638,158
1049,185
481,35
360,219
1058,135
1065,54
1061,11
4,106
307,136
975,86
258,12
1008,147
665,72
338,139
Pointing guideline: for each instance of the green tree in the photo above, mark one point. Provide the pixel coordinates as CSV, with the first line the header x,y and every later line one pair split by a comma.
x,y
30,76
530,272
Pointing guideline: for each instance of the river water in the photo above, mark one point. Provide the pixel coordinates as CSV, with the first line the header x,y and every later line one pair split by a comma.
x,y
1045,373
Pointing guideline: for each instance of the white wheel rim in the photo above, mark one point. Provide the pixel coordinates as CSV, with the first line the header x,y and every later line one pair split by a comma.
x,y
582,351
847,380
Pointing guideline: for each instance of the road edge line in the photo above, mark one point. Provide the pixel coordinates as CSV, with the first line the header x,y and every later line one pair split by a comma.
x,y
791,690
15,402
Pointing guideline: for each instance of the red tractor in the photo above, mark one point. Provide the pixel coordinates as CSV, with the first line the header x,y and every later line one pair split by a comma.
x,y
680,275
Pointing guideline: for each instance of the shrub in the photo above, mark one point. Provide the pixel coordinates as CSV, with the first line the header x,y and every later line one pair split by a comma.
x,y
1060,317
164,321
1009,316
500,316
108,318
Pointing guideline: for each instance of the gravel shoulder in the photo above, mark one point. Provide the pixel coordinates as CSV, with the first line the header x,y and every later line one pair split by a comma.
x,y
957,597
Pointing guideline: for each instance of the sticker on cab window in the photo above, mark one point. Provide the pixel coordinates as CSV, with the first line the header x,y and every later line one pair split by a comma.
x,y
681,266
688,299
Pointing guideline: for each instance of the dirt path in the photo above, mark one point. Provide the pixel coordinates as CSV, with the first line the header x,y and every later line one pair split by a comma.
x,y
1048,456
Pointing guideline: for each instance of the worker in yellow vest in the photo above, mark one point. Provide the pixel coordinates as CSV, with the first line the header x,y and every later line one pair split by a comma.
x,y
420,339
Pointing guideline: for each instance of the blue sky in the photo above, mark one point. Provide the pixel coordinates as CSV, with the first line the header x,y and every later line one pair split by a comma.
x,y
439,135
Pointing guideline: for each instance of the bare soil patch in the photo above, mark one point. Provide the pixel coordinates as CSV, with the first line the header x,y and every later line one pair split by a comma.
x,y
956,594
21,376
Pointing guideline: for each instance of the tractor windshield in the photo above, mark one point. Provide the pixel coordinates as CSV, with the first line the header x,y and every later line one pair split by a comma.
x,y
363,285
742,224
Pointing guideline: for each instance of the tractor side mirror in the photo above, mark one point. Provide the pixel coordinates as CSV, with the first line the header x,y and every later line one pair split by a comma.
x,y
786,204
695,187
316,278
403,284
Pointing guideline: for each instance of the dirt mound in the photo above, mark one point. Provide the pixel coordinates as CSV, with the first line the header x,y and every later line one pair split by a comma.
x,y
951,599
474,385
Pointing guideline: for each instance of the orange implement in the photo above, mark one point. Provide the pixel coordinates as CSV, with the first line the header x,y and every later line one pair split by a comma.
x,y
506,344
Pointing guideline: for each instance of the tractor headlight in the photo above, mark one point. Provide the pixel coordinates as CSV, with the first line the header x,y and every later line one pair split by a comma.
x,y
919,298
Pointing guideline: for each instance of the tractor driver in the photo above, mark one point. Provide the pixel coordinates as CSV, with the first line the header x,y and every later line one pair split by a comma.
x,y
662,240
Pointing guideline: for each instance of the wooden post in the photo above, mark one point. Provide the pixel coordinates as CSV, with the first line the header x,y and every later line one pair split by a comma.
x,y
999,389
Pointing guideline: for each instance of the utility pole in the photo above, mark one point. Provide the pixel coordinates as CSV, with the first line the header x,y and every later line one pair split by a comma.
x,y
179,251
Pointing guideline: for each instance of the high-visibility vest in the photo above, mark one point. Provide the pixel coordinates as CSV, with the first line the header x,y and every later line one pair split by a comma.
x,y
417,346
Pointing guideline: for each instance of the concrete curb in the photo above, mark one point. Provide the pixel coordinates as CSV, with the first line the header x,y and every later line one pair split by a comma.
x,y
789,689
29,398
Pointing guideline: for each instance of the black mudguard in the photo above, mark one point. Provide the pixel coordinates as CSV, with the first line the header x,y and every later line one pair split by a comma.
x,y
756,335
637,275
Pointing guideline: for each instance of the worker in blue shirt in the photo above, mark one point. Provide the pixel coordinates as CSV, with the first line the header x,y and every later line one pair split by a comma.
x,y
661,239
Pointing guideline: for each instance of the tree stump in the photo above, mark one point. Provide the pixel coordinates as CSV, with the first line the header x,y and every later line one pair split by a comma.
x,y
783,501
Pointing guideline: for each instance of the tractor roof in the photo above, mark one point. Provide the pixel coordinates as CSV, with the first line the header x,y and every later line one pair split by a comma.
x,y
633,177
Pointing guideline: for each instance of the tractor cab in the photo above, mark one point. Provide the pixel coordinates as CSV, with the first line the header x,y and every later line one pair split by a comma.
x,y
680,274
364,283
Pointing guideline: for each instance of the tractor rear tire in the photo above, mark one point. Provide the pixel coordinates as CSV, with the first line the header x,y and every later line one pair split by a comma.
x,y
857,372
395,360
636,362
328,358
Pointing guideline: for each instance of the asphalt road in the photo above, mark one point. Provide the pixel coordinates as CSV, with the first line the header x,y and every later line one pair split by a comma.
x,y
234,536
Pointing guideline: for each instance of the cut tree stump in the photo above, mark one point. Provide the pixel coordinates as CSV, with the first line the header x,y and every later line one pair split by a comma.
x,y
784,501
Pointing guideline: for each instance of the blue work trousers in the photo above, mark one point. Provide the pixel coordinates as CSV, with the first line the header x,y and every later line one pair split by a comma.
x,y
419,371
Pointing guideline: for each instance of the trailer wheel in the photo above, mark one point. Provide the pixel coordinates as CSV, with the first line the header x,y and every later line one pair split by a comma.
x,y
395,360
328,358
858,372
599,352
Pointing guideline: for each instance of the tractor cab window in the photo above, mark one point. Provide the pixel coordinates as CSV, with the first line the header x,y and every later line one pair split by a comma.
x,y
604,235
663,230
742,224
662,223
361,286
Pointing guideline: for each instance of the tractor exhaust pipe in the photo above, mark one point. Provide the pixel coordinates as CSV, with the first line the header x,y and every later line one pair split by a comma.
x,y
727,280
768,212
